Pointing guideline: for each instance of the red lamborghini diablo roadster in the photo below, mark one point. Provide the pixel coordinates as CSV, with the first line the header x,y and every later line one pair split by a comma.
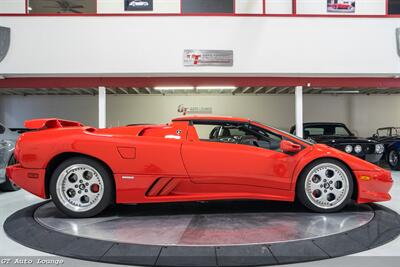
x,y
84,169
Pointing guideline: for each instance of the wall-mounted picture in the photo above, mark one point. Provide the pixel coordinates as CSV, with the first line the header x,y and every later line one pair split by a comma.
x,y
341,6
138,5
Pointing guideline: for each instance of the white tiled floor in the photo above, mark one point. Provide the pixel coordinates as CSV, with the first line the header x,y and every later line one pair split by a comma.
x,y
11,202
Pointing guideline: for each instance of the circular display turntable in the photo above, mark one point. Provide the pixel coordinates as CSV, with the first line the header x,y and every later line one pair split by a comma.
x,y
221,233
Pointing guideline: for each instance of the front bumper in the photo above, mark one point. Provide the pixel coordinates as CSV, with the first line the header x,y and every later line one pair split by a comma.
x,y
32,180
373,186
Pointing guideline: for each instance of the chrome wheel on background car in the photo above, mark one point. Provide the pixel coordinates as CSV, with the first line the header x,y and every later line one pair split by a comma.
x,y
325,186
393,159
81,187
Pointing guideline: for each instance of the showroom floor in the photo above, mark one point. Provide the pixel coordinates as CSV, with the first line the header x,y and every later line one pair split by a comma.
x,y
11,202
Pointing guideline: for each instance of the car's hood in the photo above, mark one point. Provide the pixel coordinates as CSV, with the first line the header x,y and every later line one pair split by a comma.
x,y
334,139
386,138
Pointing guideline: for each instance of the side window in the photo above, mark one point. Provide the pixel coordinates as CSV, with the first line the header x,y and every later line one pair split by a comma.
x,y
341,131
314,131
237,133
207,131
2,129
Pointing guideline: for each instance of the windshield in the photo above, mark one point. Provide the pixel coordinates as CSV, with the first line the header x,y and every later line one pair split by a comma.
x,y
289,134
396,132
331,130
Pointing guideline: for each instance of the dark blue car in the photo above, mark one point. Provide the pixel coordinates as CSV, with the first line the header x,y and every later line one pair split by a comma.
x,y
390,138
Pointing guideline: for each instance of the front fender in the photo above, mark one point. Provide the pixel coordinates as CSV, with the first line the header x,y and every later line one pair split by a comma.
x,y
319,151
394,145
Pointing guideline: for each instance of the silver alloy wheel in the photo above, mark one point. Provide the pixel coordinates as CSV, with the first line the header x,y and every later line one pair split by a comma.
x,y
327,185
80,187
393,158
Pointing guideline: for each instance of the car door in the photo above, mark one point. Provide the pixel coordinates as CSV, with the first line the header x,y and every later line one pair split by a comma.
x,y
210,161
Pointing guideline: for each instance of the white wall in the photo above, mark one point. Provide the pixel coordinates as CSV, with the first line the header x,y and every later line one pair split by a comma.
x,y
12,6
378,111
249,6
278,6
363,113
263,46
15,110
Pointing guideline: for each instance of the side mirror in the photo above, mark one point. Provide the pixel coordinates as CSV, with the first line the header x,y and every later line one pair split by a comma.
x,y
289,147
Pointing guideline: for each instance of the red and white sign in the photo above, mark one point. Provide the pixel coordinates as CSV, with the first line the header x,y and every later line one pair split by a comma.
x,y
223,58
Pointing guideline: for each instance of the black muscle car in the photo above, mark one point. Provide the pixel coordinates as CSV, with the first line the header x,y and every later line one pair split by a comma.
x,y
337,135
390,138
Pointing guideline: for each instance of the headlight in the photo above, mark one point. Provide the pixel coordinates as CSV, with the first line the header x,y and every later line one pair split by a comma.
x,y
379,148
357,149
348,149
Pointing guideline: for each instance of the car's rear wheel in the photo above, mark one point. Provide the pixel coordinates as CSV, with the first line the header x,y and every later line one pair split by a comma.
x,y
325,185
81,187
393,159
8,185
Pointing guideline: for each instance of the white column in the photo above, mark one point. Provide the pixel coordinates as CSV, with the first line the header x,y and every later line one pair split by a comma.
x,y
299,111
102,107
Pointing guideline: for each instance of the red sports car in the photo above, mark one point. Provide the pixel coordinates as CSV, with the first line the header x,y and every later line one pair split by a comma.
x,y
84,169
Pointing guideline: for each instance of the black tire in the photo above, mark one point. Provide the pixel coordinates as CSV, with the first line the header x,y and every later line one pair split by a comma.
x,y
301,191
393,166
108,193
8,185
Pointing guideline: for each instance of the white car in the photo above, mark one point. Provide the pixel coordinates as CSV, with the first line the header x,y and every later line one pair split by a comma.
x,y
138,3
7,145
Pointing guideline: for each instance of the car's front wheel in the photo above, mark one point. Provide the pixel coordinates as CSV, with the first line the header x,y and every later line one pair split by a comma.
x,y
325,185
81,187
393,159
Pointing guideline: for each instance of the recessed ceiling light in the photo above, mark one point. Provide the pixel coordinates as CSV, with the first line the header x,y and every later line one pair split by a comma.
x,y
341,92
216,87
161,88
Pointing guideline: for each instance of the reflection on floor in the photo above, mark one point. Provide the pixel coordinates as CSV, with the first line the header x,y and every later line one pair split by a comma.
x,y
11,202
206,224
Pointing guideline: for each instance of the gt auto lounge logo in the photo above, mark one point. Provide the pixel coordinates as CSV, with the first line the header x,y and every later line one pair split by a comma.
x,y
194,110
138,5
222,58
195,58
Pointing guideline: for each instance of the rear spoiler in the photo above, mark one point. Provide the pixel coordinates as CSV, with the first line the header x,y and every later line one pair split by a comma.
x,y
51,123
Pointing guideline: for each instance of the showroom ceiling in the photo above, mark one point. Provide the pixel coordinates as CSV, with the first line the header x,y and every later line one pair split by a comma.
x,y
188,91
